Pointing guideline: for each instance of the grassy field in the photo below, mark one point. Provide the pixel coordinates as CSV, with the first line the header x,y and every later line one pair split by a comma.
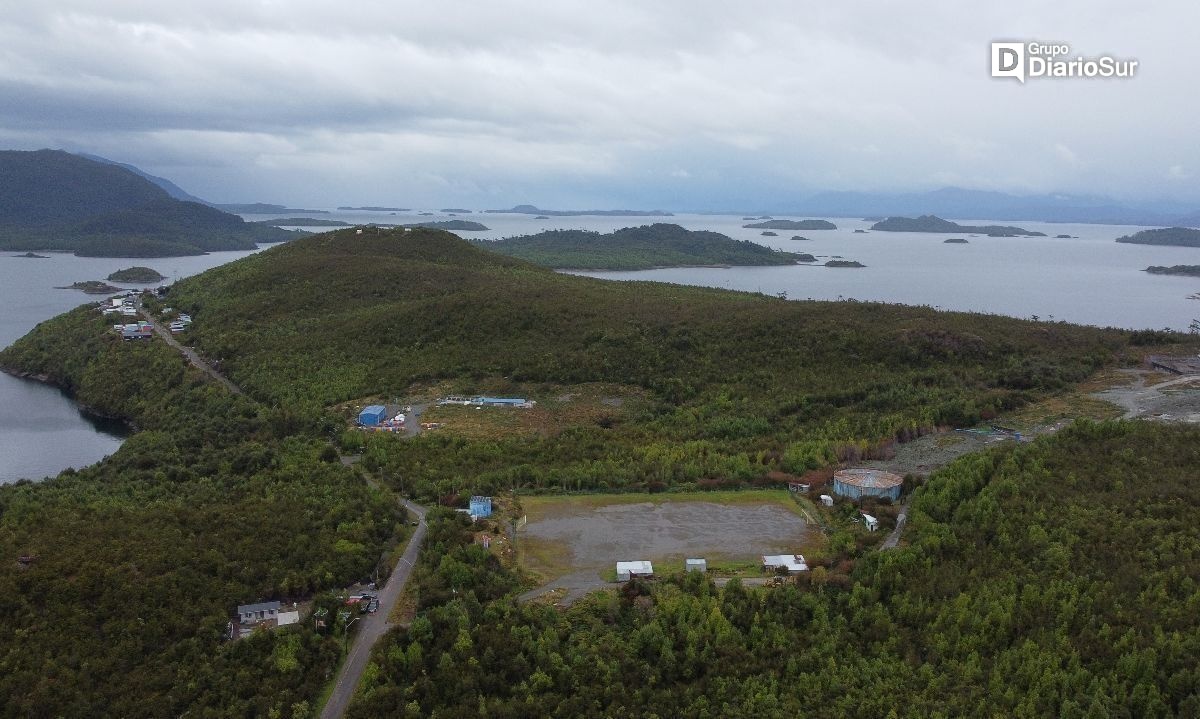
x,y
555,409
540,506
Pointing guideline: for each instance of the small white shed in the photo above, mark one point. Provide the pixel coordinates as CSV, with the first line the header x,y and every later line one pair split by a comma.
x,y
826,500
792,562
695,565
871,522
629,570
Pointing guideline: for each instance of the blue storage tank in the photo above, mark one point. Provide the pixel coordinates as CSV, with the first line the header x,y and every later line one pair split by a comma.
x,y
372,416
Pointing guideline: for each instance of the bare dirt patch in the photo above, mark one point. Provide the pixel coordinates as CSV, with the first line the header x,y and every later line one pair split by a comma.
x,y
566,537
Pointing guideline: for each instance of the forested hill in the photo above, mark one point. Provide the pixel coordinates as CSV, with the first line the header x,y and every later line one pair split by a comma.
x,y
340,315
135,564
58,201
636,248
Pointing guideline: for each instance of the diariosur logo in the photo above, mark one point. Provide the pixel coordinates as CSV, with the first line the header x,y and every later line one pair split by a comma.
x,y
1039,60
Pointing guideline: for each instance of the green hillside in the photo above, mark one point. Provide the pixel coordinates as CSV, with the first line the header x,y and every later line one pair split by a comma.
x,y
221,499
58,201
636,248
341,316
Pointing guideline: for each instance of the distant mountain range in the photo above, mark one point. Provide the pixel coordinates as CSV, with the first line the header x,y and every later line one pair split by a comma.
x,y
958,203
54,200
531,210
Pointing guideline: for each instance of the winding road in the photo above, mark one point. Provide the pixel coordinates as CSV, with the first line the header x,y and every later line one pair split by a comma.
x,y
187,352
373,626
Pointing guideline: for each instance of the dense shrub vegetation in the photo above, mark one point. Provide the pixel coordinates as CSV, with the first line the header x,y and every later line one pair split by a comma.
x,y
1058,579
142,558
222,499
742,383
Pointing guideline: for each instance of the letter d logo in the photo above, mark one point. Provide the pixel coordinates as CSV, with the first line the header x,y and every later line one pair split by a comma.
x,y
1008,60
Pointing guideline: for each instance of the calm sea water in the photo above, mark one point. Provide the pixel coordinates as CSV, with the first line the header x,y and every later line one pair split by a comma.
x,y
1088,279
42,431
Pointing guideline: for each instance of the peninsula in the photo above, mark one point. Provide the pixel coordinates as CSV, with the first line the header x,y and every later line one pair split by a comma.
x,y
637,248
1171,236
54,200
1185,270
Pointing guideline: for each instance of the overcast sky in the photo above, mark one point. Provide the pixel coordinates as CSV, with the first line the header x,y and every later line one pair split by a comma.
x,y
682,104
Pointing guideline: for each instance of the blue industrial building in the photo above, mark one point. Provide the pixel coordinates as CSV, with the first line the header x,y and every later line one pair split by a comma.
x,y
500,401
481,507
372,416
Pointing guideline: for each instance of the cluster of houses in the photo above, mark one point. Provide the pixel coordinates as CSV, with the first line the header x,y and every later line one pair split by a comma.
x,y
140,330
180,323
126,306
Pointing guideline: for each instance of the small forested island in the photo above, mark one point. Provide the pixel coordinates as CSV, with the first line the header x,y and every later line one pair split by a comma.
x,y
531,210
32,256
455,210
92,287
451,225
955,241
860,232
768,233
844,263
1173,236
638,248
1186,270
792,225
1063,237
541,217
136,274
933,223
374,208
799,238
302,222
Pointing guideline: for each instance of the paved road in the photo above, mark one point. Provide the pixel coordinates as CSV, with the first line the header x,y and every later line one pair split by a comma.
x,y
187,352
373,626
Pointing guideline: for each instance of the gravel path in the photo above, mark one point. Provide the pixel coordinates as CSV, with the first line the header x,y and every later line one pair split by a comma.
x,y
373,626
187,352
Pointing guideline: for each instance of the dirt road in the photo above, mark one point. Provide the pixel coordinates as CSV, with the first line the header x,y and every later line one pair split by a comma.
x,y
373,626
187,352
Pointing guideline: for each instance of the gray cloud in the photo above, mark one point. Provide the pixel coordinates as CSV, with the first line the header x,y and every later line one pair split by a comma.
x,y
681,104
